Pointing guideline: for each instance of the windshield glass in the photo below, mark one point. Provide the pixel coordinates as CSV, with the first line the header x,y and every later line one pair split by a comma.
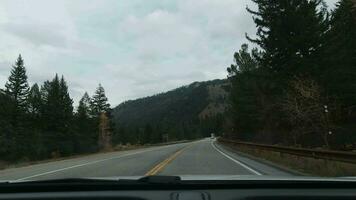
x,y
200,89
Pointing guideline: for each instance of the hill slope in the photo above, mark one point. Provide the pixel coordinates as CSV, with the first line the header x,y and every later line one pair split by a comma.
x,y
190,111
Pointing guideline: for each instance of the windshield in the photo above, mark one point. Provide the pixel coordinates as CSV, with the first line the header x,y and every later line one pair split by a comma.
x,y
200,89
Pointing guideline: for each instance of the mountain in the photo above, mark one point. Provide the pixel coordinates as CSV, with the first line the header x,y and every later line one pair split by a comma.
x,y
187,112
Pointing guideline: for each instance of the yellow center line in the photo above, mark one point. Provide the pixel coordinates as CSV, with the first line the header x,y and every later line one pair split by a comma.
x,y
158,168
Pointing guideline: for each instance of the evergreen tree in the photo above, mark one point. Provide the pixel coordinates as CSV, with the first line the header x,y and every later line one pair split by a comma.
x,y
339,69
17,89
86,136
7,142
17,85
57,115
35,146
84,105
245,93
245,61
290,33
99,102
34,100
66,103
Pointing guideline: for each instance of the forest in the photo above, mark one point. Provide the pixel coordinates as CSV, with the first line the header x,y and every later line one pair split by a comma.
x,y
39,121
298,86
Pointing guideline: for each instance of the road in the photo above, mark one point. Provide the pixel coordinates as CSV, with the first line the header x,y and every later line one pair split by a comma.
x,y
203,157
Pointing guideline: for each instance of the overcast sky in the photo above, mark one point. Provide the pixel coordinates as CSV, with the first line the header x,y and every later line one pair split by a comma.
x,y
134,48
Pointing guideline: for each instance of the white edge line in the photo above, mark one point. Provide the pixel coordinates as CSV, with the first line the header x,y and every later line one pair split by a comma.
x,y
236,161
88,163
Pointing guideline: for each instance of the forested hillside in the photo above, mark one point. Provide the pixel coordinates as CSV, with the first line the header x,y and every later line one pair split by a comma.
x,y
187,112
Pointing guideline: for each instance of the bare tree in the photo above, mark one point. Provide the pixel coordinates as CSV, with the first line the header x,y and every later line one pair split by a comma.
x,y
104,132
307,110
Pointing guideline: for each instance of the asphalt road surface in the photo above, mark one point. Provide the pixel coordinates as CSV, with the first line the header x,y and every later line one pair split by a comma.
x,y
203,157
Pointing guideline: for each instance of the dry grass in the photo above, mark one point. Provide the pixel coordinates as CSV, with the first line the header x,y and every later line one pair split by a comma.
x,y
306,165
127,147
3,164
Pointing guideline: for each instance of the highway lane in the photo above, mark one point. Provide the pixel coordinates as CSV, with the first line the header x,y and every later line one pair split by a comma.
x,y
209,158
203,157
121,163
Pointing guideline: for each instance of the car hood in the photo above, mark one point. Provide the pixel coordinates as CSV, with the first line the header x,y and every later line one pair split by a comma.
x,y
206,178
238,177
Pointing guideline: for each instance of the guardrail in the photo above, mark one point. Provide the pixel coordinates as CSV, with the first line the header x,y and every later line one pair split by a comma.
x,y
342,156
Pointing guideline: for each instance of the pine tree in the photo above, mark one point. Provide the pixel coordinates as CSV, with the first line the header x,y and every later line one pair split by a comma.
x,y
244,97
51,102
84,106
86,136
17,85
290,33
245,61
339,69
57,116
66,102
100,112
99,102
17,89
7,132
34,100
34,135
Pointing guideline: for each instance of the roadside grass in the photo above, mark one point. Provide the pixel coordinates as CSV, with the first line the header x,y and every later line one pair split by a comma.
x,y
304,165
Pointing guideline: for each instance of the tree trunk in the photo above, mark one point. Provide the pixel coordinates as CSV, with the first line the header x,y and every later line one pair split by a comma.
x,y
104,133
326,141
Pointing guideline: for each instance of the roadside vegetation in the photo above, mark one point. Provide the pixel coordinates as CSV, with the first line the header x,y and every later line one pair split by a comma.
x,y
299,86
39,121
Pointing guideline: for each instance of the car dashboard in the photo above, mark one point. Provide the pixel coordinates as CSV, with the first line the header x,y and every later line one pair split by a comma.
x,y
179,190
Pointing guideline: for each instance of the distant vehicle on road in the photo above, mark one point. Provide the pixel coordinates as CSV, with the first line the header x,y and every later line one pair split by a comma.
x,y
212,135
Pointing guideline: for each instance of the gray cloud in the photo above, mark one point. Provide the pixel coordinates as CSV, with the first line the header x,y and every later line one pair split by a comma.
x,y
4,66
134,48
37,34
